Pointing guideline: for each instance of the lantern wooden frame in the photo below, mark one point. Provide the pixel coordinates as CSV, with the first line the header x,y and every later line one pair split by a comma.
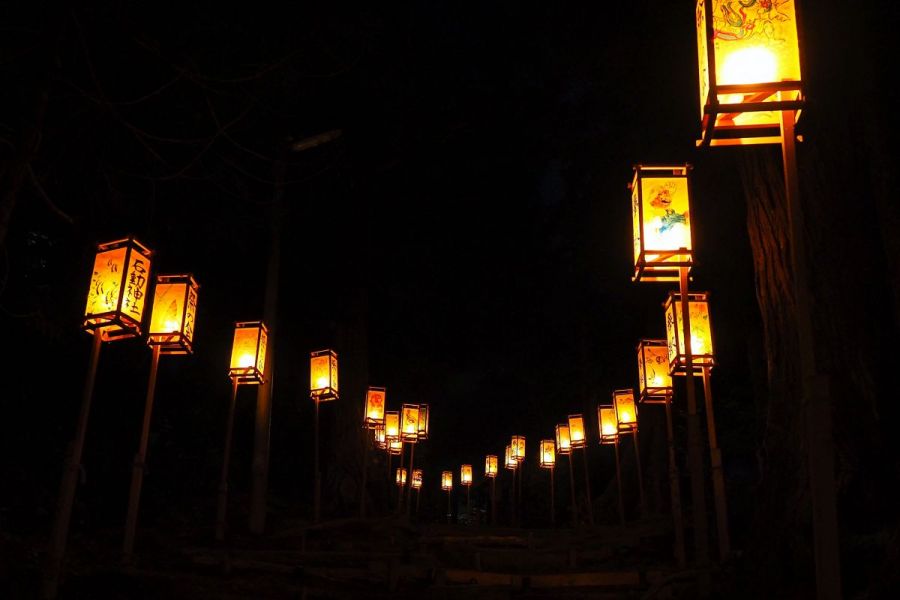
x,y
517,448
323,375
490,465
409,423
391,425
379,436
376,401
547,454
626,410
395,447
180,293
657,192
702,348
746,113
654,381
255,335
509,462
577,434
447,480
608,424
400,476
117,293
465,475
416,481
424,415
563,442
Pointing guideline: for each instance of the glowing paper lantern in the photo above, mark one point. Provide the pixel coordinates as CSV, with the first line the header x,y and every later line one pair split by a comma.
x,y
380,439
118,289
626,410
548,454
563,442
392,425
423,421
248,352
465,475
490,465
576,431
609,424
447,480
375,398
702,354
323,375
517,447
654,381
409,423
749,66
174,314
395,447
400,477
416,479
510,461
661,222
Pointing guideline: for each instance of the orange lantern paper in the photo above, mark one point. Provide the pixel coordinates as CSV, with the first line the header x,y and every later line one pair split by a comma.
x,y
510,462
248,352
392,425
465,475
517,447
490,465
323,375
661,217
416,479
423,421
576,431
409,423
749,67
375,398
548,454
400,477
118,290
174,314
655,383
626,411
447,480
702,355
380,439
609,424
563,443
395,447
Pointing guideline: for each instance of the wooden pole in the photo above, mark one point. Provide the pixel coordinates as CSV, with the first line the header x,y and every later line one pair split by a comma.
x,y
412,455
317,478
365,476
718,478
587,485
552,500
572,488
619,484
400,486
640,477
494,500
222,507
675,490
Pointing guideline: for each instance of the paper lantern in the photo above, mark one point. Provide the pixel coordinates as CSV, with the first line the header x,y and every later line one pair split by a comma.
x,y
248,352
510,461
118,290
375,398
661,222
400,477
490,465
416,479
392,425
323,375
626,411
609,424
548,454
654,381
702,355
409,423
380,439
174,314
517,447
395,447
563,442
465,475
423,421
447,480
576,431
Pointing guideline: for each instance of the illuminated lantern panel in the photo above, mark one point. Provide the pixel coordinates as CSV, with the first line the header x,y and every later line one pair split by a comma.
x,y
749,67
400,477
392,425
517,447
323,375
655,383
609,424
510,461
490,465
375,397
395,447
118,290
626,411
409,423
174,314
416,479
380,438
465,475
248,352
447,480
563,443
548,454
701,333
576,431
423,421
661,222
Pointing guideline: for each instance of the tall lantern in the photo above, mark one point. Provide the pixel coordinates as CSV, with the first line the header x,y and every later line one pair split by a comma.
x,y
395,447
400,477
416,479
510,461
563,443
392,425
423,421
490,465
323,375
702,355
174,314
576,431
248,352
749,60
380,439
375,397
609,424
118,290
517,448
548,454
661,221
626,411
654,381
465,475
447,480
409,423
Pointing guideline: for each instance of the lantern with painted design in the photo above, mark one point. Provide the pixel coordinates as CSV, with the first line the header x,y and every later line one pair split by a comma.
x,y
563,443
626,411
490,465
509,461
702,355
548,454
517,447
375,398
661,217
654,381
392,425
416,479
447,480
174,314
248,352
118,290
608,423
465,475
400,477
323,375
576,431
409,423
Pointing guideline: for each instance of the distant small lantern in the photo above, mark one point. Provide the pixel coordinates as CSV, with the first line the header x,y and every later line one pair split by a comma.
x,y
174,314
548,454
380,439
626,411
749,66
702,355
416,479
395,447
609,424
400,477
118,290
517,447
654,381
576,431
409,423
563,443
423,421
248,352
375,398
661,216
465,475
392,425
323,375
490,465
447,480
510,461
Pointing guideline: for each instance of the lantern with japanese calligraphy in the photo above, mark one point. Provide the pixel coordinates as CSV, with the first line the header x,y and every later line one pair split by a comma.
x,y
749,59
323,375
409,423
447,480
576,431
400,477
661,217
517,447
510,461
380,439
548,454
609,424
465,475
118,290
392,425
174,314
375,397
654,381
490,465
423,421
563,443
248,352
626,411
416,479
702,355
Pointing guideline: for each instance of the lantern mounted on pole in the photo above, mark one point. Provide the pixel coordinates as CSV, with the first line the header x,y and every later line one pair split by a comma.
x,y
490,465
174,314
400,477
576,431
609,424
395,447
416,479
702,356
375,398
323,375
626,411
392,425
447,480
517,448
548,454
510,461
465,475
563,443
409,423
380,439
118,290
749,71
248,352
654,381
423,422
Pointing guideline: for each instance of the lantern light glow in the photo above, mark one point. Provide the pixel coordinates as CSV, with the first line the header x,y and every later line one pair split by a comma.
x,y
702,355
654,381
174,314
416,479
323,375
609,424
490,465
661,222
563,443
576,431
548,454
409,423
392,425
517,448
375,399
400,477
118,289
626,411
447,480
423,422
248,352
509,461
465,475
